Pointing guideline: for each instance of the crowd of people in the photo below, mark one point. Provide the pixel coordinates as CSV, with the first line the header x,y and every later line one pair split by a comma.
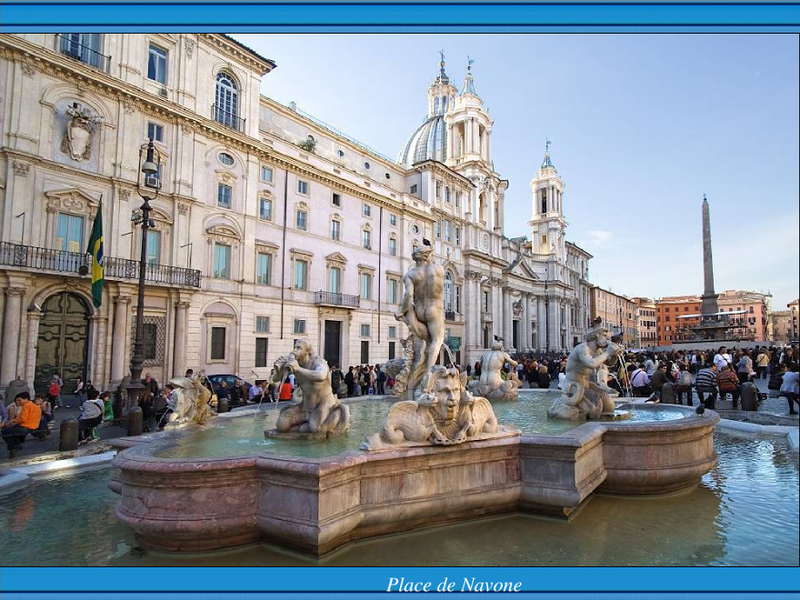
x,y
714,374
711,374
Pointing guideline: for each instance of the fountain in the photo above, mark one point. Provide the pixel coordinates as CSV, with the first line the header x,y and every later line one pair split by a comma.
x,y
491,385
440,454
586,393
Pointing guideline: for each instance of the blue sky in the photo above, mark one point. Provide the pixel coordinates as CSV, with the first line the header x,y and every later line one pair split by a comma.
x,y
641,126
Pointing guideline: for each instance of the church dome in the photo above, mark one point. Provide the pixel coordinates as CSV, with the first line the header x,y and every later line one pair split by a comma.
x,y
428,142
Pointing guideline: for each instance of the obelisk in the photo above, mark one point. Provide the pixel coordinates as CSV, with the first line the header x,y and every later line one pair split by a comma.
x,y
710,305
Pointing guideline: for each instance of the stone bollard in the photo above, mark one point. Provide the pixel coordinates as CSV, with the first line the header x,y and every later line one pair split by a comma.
x,y
749,396
668,393
135,421
68,435
223,406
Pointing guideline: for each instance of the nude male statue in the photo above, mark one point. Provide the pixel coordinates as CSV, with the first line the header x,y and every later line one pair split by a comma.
x,y
581,395
492,364
319,411
423,311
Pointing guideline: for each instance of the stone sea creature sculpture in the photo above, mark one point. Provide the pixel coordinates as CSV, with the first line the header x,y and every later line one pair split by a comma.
x,y
491,385
319,413
585,393
446,415
191,405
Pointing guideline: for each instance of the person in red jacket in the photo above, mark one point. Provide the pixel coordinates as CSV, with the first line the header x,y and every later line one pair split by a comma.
x,y
728,383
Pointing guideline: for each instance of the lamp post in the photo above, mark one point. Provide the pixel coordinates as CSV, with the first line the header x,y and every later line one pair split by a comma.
x,y
148,183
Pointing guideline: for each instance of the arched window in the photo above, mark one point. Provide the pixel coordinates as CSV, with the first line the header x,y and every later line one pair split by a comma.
x,y
226,108
448,291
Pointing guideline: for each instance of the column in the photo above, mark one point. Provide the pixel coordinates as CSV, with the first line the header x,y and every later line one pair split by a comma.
x,y
99,323
34,316
118,370
179,353
11,335
508,317
555,326
526,323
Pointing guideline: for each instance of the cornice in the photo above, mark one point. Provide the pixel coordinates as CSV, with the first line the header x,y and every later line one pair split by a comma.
x,y
231,47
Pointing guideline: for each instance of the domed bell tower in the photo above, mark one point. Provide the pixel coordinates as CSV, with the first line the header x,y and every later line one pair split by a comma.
x,y
442,93
469,127
547,215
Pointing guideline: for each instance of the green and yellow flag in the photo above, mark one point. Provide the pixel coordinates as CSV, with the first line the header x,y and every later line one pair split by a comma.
x,y
96,250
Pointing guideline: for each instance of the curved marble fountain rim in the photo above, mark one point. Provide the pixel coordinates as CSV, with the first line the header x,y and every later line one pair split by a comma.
x,y
586,430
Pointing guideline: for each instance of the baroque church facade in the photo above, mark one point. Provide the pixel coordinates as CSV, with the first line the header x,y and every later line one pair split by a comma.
x,y
269,225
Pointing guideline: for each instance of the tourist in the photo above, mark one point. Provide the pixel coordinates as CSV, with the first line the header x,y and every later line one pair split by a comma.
x,y
171,398
380,381
659,378
776,380
744,367
244,391
543,377
683,385
3,412
108,408
706,383
286,390
147,400
27,418
256,392
91,416
349,381
650,366
762,362
224,393
728,383
80,390
336,380
42,430
477,370
189,373
54,391
722,358
640,383
363,380
790,388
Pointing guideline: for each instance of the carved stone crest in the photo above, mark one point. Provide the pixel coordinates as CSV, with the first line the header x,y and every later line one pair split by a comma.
x,y
77,140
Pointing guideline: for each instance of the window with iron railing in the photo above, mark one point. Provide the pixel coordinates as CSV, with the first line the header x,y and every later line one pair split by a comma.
x,y
84,47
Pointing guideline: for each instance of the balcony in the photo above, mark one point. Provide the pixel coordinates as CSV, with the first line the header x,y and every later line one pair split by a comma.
x,y
45,260
70,46
229,119
338,300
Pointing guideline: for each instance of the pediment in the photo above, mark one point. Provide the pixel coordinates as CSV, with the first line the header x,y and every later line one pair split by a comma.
x,y
223,231
336,257
72,200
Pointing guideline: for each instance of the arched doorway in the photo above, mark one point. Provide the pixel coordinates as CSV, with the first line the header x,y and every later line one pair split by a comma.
x,y
63,341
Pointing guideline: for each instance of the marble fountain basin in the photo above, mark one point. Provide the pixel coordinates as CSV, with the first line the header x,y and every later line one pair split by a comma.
x,y
178,497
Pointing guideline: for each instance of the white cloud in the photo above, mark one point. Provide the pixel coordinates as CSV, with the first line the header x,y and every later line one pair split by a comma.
x,y
598,237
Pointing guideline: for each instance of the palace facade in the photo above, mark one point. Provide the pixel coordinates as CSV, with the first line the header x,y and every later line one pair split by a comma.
x,y
269,225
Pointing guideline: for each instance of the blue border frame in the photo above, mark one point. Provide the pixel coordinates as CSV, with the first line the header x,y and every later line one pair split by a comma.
x,y
616,581
458,16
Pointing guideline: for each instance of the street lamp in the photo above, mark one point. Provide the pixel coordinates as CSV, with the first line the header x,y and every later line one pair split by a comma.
x,y
148,182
